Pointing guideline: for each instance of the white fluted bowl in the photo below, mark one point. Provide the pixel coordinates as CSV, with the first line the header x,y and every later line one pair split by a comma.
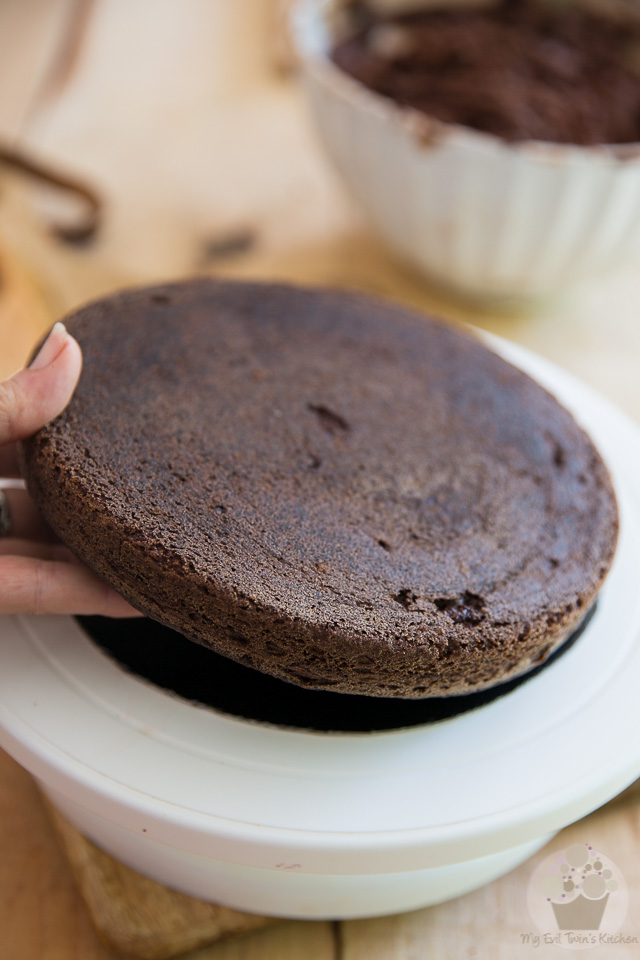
x,y
485,217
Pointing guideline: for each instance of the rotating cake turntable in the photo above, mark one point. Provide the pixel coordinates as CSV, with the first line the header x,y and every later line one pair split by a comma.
x,y
306,824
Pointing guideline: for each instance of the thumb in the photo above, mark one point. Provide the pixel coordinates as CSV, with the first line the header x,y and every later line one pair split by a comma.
x,y
34,396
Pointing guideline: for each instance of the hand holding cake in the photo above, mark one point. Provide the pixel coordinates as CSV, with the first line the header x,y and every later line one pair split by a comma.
x,y
37,574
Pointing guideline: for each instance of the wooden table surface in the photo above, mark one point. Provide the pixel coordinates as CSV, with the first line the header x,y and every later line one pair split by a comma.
x,y
179,113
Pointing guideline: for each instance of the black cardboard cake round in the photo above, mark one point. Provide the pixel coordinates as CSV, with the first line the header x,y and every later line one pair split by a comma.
x,y
332,490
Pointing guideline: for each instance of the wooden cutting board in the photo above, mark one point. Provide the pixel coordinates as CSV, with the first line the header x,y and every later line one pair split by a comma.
x,y
137,916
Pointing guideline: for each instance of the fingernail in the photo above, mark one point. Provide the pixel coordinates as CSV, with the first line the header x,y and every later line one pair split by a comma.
x,y
51,348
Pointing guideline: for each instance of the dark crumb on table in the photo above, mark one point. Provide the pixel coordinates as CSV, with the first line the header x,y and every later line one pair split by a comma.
x,y
226,245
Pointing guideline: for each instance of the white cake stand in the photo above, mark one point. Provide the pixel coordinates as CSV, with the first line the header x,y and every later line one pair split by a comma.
x,y
338,825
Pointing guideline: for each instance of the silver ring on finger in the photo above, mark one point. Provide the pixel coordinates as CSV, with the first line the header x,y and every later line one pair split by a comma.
x,y
5,515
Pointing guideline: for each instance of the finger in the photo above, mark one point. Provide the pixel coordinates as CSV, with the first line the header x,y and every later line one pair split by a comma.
x,y
26,520
15,547
35,396
30,585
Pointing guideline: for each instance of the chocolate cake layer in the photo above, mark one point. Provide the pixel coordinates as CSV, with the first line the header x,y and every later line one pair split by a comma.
x,y
333,490
518,69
